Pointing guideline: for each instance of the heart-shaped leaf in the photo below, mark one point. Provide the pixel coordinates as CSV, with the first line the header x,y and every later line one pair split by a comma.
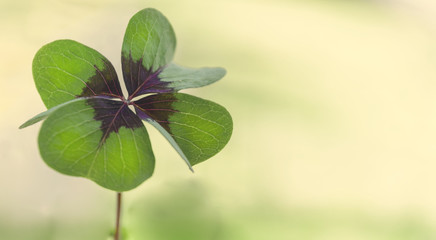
x,y
197,128
99,139
65,69
148,46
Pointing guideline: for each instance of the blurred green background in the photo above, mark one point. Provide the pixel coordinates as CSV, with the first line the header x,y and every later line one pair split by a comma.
x,y
334,111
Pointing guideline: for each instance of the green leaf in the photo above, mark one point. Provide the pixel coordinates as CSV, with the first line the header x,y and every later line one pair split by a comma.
x,y
180,77
65,69
197,128
170,139
45,114
149,38
99,139
148,46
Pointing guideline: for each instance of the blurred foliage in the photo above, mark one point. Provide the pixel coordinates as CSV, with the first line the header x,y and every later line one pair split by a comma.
x,y
54,228
185,211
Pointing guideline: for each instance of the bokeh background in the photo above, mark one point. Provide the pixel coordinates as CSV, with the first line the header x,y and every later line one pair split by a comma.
x,y
334,111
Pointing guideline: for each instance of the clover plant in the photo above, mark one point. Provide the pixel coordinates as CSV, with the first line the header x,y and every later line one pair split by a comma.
x,y
92,130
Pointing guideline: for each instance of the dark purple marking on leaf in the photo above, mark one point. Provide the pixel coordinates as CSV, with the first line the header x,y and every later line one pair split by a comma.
x,y
140,80
113,115
157,107
104,82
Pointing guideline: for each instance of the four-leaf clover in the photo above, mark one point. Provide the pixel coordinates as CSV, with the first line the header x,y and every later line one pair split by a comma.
x,y
91,130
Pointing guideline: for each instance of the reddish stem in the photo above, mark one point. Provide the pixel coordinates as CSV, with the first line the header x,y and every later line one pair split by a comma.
x,y
118,218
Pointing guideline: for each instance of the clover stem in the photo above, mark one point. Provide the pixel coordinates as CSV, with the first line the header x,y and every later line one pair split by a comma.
x,y
118,218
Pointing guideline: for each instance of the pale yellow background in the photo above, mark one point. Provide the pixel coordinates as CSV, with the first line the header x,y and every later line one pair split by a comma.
x,y
334,107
